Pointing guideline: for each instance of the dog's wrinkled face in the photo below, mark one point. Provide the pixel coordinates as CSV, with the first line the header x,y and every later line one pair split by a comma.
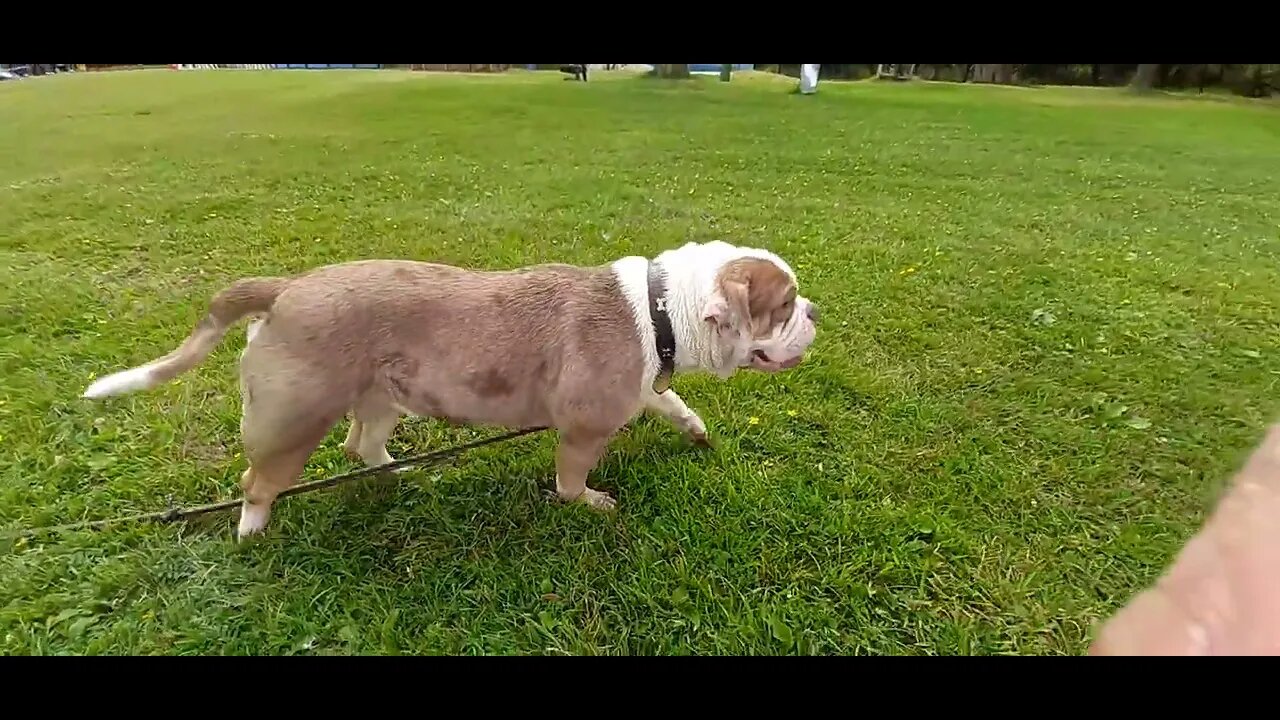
x,y
758,316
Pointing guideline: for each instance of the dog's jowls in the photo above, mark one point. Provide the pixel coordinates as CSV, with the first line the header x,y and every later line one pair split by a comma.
x,y
572,348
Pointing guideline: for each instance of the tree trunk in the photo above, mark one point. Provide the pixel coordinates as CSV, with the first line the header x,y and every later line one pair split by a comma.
x,y
1145,77
1095,74
1259,83
675,72
726,72
1001,74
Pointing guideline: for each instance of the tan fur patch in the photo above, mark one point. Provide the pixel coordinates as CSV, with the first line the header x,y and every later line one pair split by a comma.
x,y
759,291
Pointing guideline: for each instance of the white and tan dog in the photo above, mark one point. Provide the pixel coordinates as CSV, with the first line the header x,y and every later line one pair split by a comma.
x,y
579,349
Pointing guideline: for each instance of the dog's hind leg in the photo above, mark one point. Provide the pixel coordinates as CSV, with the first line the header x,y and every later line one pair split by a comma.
x,y
283,422
265,479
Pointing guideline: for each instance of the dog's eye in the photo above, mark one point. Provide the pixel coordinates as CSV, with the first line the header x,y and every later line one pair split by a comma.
x,y
783,313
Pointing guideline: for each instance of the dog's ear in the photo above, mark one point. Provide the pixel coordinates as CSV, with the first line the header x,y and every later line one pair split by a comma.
x,y
750,292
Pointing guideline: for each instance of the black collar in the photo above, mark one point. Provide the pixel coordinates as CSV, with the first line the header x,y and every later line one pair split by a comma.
x,y
664,337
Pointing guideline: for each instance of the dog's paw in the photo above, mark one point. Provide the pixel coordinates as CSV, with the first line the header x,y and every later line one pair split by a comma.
x,y
597,500
376,461
701,440
593,499
253,520
696,431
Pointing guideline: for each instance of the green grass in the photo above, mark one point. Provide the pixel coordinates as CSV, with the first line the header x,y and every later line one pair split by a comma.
x,y
1049,335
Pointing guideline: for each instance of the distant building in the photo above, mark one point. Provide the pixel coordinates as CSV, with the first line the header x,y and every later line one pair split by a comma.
x,y
326,67
461,68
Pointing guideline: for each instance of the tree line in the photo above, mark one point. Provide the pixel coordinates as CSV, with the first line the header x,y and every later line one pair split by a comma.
x,y
1246,80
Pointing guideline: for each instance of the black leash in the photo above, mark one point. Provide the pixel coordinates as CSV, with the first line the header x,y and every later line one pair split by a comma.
x,y
175,514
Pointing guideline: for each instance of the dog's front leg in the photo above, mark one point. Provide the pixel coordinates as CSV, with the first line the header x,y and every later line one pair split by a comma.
x,y
576,456
672,407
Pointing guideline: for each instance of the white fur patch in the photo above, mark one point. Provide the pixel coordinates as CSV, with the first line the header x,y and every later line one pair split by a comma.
x,y
251,331
633,277
691,274
126,381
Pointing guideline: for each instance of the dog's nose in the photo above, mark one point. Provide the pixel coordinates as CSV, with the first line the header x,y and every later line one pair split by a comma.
x,y
812,312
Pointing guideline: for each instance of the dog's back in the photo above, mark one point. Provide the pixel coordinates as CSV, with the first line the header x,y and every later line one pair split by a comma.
x,y
493,347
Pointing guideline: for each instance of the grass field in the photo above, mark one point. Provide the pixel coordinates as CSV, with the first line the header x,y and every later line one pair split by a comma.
x,y
1049,335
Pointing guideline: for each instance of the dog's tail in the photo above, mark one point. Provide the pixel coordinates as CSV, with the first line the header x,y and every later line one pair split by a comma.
x,y
250,295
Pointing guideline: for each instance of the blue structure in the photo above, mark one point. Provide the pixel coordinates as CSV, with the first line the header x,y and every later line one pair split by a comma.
x,y
326,67
716,68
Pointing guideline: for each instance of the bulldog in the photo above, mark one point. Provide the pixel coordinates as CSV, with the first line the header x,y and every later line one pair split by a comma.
x,y
582,350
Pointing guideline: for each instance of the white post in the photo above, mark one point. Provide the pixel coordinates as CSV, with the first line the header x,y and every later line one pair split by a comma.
x,y
809,79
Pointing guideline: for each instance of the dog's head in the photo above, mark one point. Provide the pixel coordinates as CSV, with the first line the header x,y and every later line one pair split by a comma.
x,y
756,313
